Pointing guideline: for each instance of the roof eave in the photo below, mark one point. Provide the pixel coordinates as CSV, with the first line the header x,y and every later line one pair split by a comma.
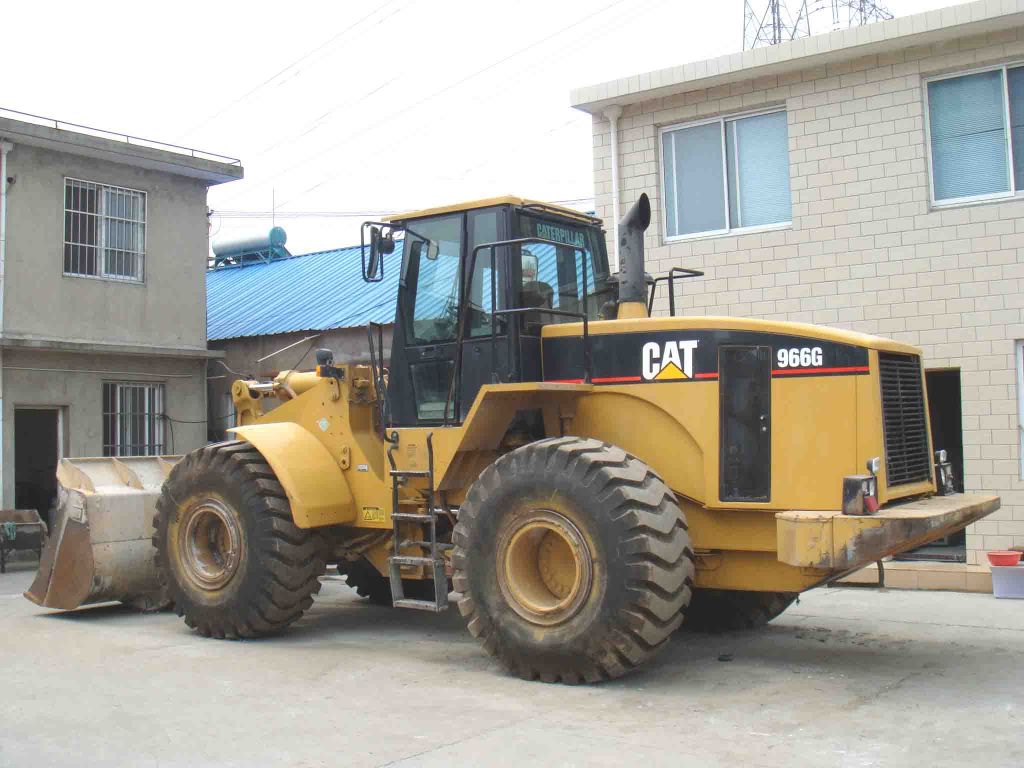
x,y
193,165
919,29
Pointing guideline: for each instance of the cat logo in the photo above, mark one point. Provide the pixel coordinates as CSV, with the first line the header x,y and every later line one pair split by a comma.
x,y
670,361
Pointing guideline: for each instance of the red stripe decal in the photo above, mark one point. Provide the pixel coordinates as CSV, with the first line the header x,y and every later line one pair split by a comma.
x,y
713,375
798,371
615,379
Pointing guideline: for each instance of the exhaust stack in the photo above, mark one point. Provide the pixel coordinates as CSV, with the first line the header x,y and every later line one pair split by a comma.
x,y
632,277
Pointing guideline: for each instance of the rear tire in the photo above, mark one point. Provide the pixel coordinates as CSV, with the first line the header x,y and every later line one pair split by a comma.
x,y
573,560
727,610
232,560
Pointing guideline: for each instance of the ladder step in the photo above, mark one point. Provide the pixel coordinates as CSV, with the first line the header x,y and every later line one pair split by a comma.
x,y
420,605
426,544
411,517
409,473
411,560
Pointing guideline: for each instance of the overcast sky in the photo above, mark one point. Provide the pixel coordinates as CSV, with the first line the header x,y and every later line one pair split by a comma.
x,y
359,107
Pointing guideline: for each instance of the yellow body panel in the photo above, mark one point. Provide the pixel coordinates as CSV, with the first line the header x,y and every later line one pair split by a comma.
x,y
316,490
824,428
713,322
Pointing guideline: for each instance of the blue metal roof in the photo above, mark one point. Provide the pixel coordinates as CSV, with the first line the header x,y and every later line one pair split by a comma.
x,y
314,292
325,290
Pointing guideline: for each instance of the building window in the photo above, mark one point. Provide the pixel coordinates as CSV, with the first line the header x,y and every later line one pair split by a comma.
x,y
133,419
726,174
976,135
104,231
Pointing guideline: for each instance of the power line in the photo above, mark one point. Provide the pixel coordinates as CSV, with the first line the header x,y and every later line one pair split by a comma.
x,y
312,126
295,63
388,118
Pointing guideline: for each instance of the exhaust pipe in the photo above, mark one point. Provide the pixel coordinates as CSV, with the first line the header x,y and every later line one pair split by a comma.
x,y
632,277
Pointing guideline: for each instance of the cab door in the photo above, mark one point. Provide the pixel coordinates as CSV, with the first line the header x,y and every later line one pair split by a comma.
x,y
485,348
426,326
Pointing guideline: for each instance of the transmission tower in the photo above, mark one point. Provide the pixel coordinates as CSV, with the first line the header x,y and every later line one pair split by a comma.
x,y
770,22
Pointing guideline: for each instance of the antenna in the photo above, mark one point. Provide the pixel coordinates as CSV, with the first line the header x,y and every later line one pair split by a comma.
x,y
770,22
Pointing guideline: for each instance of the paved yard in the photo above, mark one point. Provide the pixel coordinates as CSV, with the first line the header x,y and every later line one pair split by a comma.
x,y
849,677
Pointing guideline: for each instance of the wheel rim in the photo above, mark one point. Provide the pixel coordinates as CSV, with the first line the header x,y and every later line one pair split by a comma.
x,y
544,567
210,543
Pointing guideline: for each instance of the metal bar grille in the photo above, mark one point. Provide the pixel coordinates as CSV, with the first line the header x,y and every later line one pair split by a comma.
x,y
133,421
104,231
907,458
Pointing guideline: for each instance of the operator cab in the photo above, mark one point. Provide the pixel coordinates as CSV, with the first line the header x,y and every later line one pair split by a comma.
x,y
468,306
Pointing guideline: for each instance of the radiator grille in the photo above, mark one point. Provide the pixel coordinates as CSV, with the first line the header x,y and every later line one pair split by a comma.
x,y
907,458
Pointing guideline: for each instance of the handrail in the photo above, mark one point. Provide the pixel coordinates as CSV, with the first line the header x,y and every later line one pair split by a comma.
x,y
561,313
137,141
671,287
377,372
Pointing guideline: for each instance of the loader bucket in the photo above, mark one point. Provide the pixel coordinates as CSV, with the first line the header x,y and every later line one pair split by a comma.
x,y
100,547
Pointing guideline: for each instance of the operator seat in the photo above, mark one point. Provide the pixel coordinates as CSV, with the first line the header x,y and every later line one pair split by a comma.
x,y
535,293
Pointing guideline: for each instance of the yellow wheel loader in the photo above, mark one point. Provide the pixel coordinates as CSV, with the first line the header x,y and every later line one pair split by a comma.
x,y
584,476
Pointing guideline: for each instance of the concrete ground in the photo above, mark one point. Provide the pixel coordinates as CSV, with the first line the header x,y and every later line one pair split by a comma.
x,y
849,677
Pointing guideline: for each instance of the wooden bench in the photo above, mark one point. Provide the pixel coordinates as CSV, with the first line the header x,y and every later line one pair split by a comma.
x,y
20,530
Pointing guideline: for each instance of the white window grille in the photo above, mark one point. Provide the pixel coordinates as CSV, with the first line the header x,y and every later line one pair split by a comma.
x,y
726,174
133,419
104,231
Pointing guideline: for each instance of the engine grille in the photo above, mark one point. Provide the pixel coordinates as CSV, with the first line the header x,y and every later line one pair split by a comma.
x,y
907,458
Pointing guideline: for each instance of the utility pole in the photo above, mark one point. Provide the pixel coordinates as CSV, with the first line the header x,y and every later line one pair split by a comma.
x,y
770,22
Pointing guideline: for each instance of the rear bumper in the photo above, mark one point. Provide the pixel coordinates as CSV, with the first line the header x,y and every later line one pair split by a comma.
x,y
836,542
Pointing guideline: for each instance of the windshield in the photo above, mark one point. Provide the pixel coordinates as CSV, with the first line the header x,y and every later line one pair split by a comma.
x,y
431,271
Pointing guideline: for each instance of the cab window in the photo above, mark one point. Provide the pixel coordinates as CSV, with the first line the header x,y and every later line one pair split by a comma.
x,y
483,228
432,252
551,277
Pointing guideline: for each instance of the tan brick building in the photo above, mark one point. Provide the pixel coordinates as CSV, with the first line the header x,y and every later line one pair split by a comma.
x,y
871,179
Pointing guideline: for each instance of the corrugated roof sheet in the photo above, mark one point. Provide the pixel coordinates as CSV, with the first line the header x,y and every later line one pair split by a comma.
x,y
325,290
313,292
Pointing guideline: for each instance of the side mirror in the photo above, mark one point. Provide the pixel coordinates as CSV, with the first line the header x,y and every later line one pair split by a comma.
x,y
381,243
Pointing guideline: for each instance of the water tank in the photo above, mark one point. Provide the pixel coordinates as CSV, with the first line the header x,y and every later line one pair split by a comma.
x,y
263,246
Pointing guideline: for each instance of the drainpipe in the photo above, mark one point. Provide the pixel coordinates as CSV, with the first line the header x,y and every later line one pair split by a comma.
x,y
613,113
5,147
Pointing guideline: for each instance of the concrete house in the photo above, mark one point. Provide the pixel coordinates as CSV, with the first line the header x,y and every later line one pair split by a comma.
x,y
103,246
871,179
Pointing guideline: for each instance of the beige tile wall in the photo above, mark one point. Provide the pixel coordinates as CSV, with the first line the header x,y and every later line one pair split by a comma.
x,y
865,251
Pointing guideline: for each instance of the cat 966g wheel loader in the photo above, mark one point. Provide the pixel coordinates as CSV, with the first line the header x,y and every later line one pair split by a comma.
x,y
584,476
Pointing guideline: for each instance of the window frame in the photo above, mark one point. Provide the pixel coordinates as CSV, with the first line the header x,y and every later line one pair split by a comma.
x,y
159,441
953,202
101,273
1019,358
721,120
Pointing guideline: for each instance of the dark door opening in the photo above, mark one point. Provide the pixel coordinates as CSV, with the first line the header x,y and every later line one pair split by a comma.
x,y
36,452
945,418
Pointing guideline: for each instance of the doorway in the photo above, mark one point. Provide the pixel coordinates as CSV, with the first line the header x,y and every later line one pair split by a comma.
x,y
945,414
38,446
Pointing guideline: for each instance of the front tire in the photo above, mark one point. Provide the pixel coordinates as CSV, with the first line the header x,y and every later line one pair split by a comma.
x,y
573,560
232,560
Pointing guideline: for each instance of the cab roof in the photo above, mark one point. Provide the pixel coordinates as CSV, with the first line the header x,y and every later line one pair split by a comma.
x,y
492,201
